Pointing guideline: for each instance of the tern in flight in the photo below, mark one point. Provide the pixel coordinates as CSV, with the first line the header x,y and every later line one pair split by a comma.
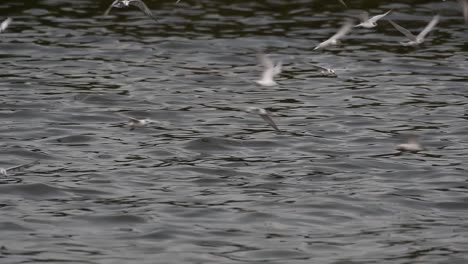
x,y
367,22
335,39
416,40
266,115
126,3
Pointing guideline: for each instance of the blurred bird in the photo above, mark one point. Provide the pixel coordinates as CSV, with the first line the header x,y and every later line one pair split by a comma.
x,y
134,122
416,40
367,22
343,3
4,172
270,70
335,39
325,71
464,5
126,3
411,145
266,115
4,25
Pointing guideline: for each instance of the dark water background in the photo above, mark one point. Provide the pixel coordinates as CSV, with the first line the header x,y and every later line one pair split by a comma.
x,y
210,183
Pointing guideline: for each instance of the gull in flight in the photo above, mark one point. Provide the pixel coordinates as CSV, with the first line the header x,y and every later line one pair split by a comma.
x,y
411,145
270,70
4,172
367,22
5,24
266,115
416,40
134,122
126,3
334,40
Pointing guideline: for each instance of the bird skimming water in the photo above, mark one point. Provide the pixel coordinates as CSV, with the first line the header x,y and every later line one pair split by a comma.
x,y
135,122
266,115
4,172
334,40
367,22
126,3
416,40
412,145
270,70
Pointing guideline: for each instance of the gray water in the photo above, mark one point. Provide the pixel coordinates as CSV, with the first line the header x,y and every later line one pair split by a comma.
x,y
210,183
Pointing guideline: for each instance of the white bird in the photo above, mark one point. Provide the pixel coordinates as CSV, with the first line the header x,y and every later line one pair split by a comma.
x,y
270,70
334,40
126,3
266,115
464,5
343,3
5,24
4,172
367,22
416,40
411,145
135,122
325,71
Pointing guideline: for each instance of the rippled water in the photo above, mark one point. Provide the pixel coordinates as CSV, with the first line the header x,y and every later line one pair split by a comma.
x,y
211,183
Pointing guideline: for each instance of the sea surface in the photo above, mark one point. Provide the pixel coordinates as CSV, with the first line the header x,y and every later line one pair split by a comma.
x,y
208,182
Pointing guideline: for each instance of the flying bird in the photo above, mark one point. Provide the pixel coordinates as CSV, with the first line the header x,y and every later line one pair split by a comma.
x,y
126,3
416,40
4,172
5,24
343,3
266,115
270,70
335,39
367,22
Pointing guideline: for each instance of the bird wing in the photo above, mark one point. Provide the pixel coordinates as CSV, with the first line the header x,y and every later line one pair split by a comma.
x,y
322,44
343,31
364,16
429,27
265,61
343,3
377,17
141,5
464,5
5,24
269,120
110,7
24,166
403,30
278,68
131,119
